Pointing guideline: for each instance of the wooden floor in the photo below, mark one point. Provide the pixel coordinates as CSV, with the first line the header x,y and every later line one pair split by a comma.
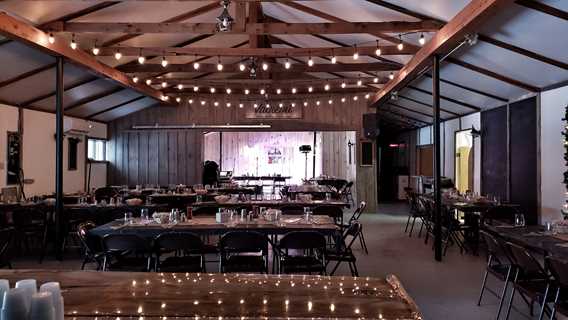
x,y
446,290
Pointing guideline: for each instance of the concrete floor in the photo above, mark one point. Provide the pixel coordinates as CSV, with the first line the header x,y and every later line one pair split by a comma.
x,y
442,290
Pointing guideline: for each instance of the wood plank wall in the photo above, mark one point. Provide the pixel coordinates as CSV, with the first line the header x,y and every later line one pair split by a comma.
x,y
175,156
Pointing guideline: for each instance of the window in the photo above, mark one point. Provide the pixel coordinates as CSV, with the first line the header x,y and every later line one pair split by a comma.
x,y
96,149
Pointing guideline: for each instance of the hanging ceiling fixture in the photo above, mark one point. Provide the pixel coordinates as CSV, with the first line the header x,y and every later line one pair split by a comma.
x,y
225,21
252,68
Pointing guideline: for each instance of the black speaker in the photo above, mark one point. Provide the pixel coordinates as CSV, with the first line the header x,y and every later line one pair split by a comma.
x,y
370,125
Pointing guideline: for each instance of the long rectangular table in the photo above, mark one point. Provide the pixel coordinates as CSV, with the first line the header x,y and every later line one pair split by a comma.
x,y
208,225
534,238
125,295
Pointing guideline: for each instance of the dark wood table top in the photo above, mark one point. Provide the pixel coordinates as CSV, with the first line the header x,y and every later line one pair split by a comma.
x,y
273,178
107,295
271,203
208,225
532,237
310,188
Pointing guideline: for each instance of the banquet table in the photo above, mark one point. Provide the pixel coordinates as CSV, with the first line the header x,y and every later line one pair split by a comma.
x,y
208,225
534,238
271,203
310,189
90,295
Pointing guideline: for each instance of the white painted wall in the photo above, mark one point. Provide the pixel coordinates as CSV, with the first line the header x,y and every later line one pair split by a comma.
x,y
552,167
38,152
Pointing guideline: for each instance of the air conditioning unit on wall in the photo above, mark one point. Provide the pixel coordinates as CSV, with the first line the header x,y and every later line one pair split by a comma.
x,y
75,126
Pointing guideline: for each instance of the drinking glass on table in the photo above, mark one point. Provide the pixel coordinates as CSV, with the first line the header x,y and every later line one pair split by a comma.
x,y
519,220
307,213
144,214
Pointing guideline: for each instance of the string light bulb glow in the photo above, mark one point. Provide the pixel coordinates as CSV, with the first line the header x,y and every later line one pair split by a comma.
x,y
376,80
117,55
333,57
422,40
359,82
310,89
164,62
241,105
148,81
305,103
242,66
343,99
278,91
212,90
247,91
228,104
190,101
378,51
164,84
219,65
355,98
96,50
264,66
202,102
294,90
180,86
318,102
310,62
400,45
326,87
178,99
216,103
196,65
141,59
391,75
367,96
356,53
51,38
73,44
228,91
135,79
262,91
343,85
287,64
195,88
330,101
293,105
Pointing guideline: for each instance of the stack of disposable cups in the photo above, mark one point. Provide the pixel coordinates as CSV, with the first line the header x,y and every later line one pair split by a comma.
x,y
24,302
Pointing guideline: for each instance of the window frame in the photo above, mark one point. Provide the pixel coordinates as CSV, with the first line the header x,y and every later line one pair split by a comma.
x,y
104,150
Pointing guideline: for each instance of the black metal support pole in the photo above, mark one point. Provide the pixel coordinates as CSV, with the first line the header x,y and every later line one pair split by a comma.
x,y
314,156
59,160
437,163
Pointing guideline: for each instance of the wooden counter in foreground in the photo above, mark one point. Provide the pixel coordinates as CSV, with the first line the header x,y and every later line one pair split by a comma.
x,y
93,295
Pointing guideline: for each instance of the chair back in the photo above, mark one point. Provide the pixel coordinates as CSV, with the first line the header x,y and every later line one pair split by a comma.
x,y
123,242
6,235
559,270
357,214
354,231
501,213
91,243
303,240
346,189
526,262
105,193
178,241
495,247
243,241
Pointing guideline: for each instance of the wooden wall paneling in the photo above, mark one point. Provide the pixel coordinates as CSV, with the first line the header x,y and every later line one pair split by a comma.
x,y
182,156
143,164
132,158
153,158
172,157
163,174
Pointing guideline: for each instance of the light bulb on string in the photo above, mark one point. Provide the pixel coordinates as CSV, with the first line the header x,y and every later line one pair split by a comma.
x,y
262,91
343,85
378,51
264,66
305,103
202,102
359,82
326,87
212,90
287,64
190,101
281,105
164,84
391,75
228,104
333,57
247,91
355,98
117,55
148,81
318,103
255,106
422,40
228,91
219,65
355,53
195,88
51,38
96,49
216,103
294,90
73,44
293,105
330,101
310,61
195,64
367,96
400,45
141,59
376,79
278,91
343,99
242,66
310,89
164,62
180,86
241,105
135,79
178,99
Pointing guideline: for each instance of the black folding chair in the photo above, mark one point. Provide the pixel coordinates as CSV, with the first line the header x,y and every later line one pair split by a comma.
x,y
243,251
126,252
531,280
355,218
559,270
6,235
91,245
342,252
185,249
301,252
499,265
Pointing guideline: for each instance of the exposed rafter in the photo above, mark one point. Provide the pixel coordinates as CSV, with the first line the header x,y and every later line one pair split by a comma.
x,y
452,100
443,41
426,104
115,107
22,31
94,97
544,8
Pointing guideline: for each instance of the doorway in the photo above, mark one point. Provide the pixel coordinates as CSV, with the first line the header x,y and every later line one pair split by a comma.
x,y
463,160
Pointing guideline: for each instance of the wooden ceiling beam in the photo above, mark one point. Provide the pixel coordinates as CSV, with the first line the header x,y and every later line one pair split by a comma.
x,y
389,110
254,52
250,28
26,33
190,82
286,90
544,8
409,109
466,21
272,67
483,93
92,115
452,100
92,98
493,74
426,104
27,74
